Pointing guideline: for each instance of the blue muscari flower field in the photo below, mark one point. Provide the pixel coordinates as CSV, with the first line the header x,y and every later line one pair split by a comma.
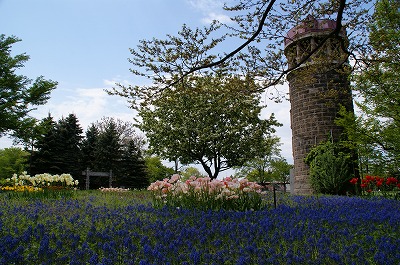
x,y
123,229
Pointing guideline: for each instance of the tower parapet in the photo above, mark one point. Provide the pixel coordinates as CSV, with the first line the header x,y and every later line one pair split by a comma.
x,y
305,37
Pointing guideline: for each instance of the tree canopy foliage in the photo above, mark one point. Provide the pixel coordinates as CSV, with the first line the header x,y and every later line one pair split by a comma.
x,y
376,128
156,170
268,165
13,160
210,120
190,171
18,94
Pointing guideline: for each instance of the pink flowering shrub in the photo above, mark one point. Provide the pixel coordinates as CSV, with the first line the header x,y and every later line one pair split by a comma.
x,y
204,193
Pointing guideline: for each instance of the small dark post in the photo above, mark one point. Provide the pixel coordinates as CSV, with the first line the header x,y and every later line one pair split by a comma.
x,y
87,178
110,179
274,189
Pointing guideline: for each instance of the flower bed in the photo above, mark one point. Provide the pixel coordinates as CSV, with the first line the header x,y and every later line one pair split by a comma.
x,y
204,193
92,230
21,188
41,181
40,185
378,186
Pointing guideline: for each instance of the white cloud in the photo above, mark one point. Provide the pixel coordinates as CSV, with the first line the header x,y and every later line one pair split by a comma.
x,y
282,115
113,82
5,142
88,104
211,10
204,5
110,83
215,16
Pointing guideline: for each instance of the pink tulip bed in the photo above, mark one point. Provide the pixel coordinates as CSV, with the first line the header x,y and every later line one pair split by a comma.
x,y
205,194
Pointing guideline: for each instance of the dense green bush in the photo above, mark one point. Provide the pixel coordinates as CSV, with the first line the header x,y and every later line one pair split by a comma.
x,y
330,168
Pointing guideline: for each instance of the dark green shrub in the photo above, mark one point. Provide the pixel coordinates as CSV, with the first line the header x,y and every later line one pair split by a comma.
x,y
331,167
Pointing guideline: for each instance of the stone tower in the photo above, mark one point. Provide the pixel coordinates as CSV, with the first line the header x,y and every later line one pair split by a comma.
x,y
317,88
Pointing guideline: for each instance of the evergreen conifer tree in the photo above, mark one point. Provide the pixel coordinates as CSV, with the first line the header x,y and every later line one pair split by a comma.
x,y
58,151
112,144
132,172
89,144
42,159
107,153
69,137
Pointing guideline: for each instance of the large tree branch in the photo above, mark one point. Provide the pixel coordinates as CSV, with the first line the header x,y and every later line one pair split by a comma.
x,y
335,32
234,52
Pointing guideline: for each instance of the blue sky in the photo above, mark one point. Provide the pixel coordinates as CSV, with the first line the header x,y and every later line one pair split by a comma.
x,y
84,46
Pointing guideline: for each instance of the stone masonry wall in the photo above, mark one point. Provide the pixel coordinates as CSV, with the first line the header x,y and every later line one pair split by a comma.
x,y
314,107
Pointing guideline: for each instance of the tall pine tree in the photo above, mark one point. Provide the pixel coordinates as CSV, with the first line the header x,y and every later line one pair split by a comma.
x,y
107,153
132,172
58,151
69,145
42,158
89,144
